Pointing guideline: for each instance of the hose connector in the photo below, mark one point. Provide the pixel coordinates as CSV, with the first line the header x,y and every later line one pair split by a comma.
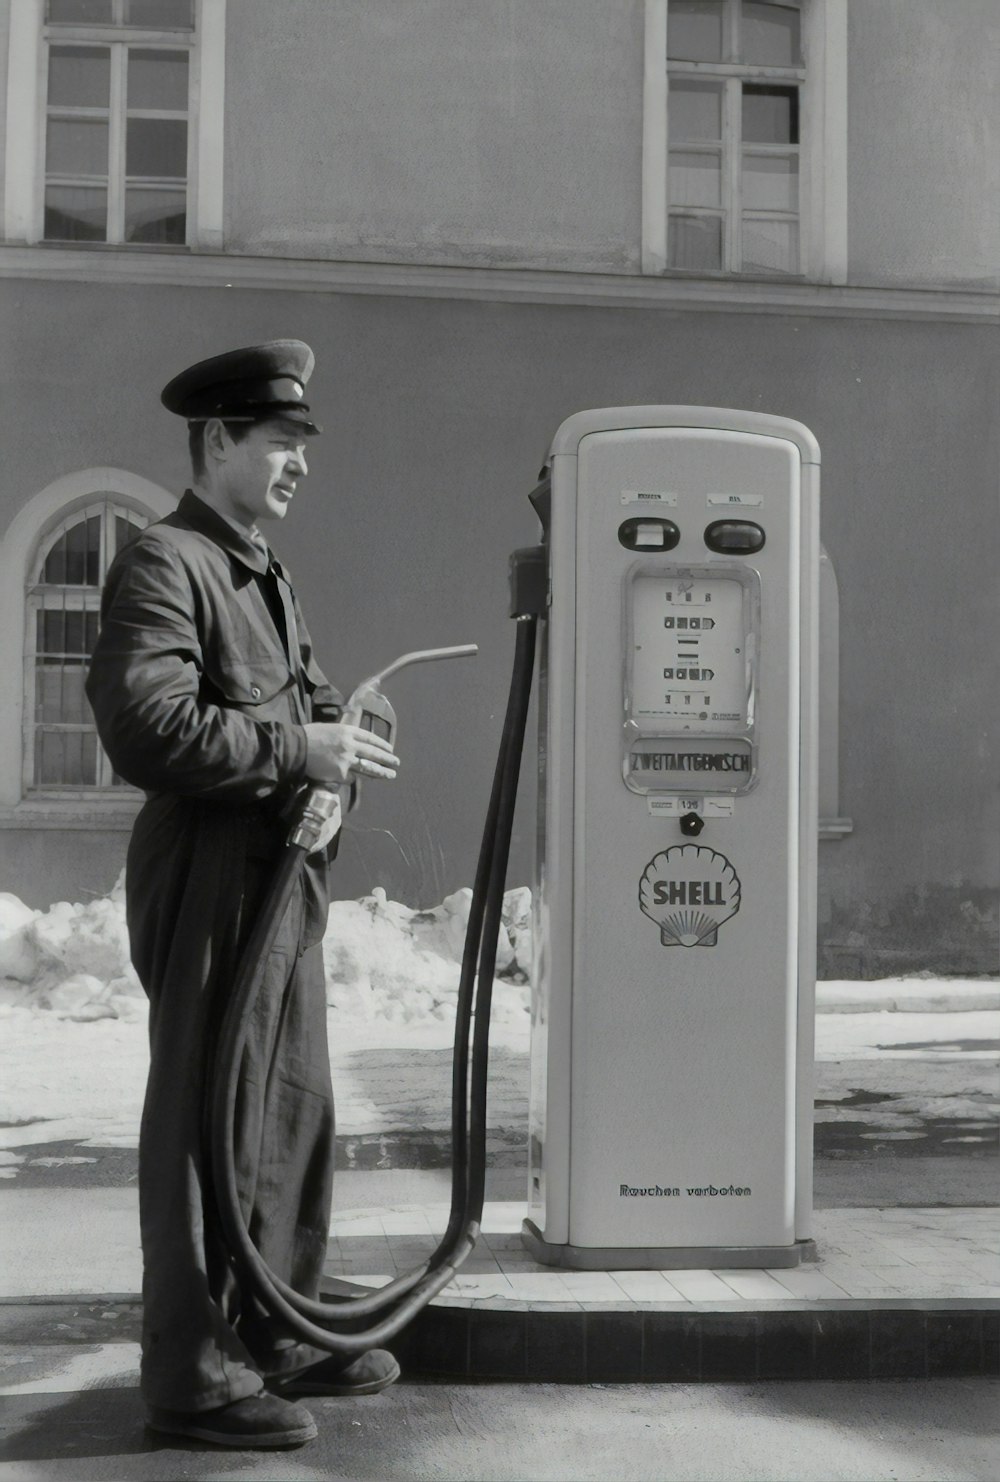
x,y
320,805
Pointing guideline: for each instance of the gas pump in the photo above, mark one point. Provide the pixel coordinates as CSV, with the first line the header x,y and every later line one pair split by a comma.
x,y
673,993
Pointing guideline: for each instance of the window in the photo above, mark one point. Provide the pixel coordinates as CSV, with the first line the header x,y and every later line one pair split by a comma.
x,y
745,138
63,606
117,137
115,115
735,70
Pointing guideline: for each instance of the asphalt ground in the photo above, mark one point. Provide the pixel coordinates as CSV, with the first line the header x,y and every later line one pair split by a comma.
x,y
80,1420
905,1107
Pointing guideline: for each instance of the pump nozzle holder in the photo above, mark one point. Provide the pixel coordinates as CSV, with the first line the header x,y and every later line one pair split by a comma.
x,y
529,582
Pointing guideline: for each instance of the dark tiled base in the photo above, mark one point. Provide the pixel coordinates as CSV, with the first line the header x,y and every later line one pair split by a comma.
x,y
660,1346
622,1345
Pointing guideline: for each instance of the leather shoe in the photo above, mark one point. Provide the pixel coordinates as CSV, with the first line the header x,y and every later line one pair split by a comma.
x,y
260,1421
374,1370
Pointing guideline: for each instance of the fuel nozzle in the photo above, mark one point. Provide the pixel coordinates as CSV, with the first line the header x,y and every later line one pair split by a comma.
x,y
368,706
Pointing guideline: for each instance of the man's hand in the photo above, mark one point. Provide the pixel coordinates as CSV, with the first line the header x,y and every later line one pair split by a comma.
x,y
340,753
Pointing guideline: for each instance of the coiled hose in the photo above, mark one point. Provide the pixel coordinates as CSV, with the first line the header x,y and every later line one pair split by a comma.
x,y
337,1322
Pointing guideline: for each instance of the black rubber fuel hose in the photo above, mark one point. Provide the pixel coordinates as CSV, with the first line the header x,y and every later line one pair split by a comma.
x,y
306,1317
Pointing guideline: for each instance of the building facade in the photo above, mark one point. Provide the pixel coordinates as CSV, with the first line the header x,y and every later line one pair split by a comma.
x,y
485,217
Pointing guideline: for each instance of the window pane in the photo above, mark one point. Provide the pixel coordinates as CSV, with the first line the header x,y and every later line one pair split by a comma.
x,y
770,246
155,216
694,30
770,183
54,570
48,693
127,527
93,550
59,695
156,147
75,541
770,114
79,76
50,631
74,559
79,12
160,15
68,758
695,179
695,110
76,213
696,242
771,35
158,79
76,146
49,764
75,632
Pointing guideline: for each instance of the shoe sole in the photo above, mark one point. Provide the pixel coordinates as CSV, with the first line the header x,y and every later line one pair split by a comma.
x,y
339,1391
268,1440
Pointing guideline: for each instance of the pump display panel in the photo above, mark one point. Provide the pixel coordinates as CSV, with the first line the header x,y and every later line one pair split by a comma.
x,y
691,636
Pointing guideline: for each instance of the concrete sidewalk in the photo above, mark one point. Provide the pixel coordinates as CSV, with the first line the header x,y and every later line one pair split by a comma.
x,y
83,1244
894,1293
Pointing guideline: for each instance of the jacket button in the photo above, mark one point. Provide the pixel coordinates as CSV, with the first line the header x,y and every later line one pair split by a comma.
x,y
255,691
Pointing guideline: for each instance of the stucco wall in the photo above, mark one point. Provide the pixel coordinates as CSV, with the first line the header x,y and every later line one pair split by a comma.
x,y
437,416
924,142
510,134
476,133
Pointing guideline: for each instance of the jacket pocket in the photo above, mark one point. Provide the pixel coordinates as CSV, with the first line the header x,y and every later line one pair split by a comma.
x,y
258,687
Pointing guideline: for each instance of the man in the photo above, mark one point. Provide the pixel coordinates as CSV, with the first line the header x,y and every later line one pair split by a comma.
x,y
208,697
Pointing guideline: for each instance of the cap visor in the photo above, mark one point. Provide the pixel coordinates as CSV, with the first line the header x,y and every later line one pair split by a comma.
x,y
292,423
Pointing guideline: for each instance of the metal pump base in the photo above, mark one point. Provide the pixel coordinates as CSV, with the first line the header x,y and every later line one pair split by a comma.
x,y
664,1258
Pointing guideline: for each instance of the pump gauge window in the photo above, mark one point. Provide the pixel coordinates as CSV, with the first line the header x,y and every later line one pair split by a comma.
x,y
691,636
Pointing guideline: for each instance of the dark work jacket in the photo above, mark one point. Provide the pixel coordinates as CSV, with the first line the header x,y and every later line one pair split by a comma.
x,y
191,685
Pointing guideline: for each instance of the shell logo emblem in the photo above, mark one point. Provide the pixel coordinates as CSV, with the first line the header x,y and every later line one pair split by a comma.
x,y
689,891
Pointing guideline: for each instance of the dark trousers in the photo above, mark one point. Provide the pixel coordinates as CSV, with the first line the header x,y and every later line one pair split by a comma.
x,y
196,877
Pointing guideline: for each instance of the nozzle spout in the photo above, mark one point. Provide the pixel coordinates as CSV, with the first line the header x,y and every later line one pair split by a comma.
x,y
423,656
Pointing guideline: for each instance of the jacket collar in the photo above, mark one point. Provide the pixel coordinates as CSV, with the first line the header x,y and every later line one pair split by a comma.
x,y
203,518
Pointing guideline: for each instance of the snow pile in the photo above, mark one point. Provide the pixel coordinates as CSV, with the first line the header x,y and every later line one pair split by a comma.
x,y
72,959
384,961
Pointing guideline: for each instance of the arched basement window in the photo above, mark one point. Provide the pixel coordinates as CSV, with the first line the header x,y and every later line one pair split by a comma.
x,y
62,753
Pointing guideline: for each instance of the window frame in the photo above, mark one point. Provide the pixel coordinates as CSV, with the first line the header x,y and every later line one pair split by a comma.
x,y
72,597
118,41
28,531
822,148
25,177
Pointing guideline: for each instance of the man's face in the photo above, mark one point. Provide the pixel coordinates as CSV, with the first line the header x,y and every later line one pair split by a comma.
x,y
262,470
